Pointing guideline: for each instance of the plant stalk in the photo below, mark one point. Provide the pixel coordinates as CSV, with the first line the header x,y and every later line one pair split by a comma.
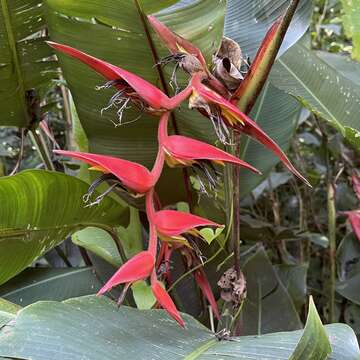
x,y
42,149
236,223
332,249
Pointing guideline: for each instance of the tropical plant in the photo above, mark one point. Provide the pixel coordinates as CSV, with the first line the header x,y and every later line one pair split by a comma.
x,y
208,97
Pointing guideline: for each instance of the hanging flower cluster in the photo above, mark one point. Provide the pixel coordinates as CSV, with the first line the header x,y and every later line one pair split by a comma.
x,y
208,94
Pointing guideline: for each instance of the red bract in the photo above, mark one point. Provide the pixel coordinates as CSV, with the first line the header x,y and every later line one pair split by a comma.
x,y
173,223
181,150
222,112
175,43
165,300
135,177
137,268
354,218
144,94
205,287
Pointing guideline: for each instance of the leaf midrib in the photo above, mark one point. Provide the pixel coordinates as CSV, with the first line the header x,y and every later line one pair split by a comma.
x,y
12,44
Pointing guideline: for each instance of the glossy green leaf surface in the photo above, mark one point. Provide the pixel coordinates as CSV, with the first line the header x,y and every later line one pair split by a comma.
x,y
314,343
39,209
351,21
93,328
317,83
24,58
50,284
268,306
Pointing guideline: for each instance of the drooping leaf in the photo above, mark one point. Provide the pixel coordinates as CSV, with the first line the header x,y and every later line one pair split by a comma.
x,y
24,58
50,284
39,209
94,328
314,343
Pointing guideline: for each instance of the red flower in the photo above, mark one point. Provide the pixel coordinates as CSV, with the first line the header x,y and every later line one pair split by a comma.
x,y
224,114
205,287
185,54
177,44
133,176
137,268
165,300
181,150
354,218
143,94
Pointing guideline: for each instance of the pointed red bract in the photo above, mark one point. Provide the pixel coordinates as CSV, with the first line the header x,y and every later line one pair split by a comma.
x,y
173,223
147,91
165,301
354,218
184,148
175,43
238,120
205,287
137,268
134,176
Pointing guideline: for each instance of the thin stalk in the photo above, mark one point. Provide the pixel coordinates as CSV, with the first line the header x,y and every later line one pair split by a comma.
x,y
331,211
68,118
236,224
332,249
42,149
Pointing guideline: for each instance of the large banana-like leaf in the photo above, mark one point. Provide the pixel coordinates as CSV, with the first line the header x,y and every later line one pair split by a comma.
x,y
94,328
39,209
323,84
24,58
248,20
38,284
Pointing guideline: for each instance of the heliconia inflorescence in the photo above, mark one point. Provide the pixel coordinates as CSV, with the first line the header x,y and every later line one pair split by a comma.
x,y
211,98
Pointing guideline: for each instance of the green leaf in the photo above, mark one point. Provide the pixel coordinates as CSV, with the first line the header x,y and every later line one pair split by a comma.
x,y
351,21
247,22
210,234
99,242
319,86
39,209
294,277
314,343
268,306
8,306
143,295
353,137
24,64
93,328
50,284
348,266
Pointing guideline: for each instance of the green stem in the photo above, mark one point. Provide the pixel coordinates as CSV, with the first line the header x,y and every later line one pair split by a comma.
x,y
332,249
236,224
42,149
